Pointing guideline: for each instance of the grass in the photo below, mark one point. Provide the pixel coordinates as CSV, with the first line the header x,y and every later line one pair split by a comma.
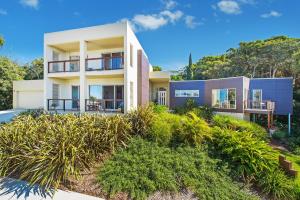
x,y
295,159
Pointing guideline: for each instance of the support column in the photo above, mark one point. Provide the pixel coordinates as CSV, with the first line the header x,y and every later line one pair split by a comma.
x,y
289,124
47,81
83,86
269,122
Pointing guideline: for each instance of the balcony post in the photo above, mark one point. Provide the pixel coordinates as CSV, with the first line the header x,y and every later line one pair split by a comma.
x,y
83,52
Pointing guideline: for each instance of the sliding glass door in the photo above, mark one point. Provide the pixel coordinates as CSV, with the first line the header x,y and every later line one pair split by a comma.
x,y
111,97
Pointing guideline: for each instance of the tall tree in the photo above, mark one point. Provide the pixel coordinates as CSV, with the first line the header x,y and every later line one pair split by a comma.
x,y
35,69
189,69
9,71
1,41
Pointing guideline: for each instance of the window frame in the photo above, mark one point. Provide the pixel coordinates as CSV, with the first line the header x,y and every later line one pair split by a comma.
x,y
183,93
218,97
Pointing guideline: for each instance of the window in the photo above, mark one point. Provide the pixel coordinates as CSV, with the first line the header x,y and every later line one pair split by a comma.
x,y
224,98
186,93
257,98
131,55
95,91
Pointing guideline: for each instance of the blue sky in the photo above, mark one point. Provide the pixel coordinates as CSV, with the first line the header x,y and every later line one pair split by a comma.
x,y
168,29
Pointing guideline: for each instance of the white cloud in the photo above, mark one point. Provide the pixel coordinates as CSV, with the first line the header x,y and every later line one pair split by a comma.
x,y
190,22
173,16
271,14
149,22
229,7
252,2
169,4
30,3
3,12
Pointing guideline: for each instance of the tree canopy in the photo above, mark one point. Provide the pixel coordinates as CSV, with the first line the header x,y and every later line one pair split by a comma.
x,y
9,71
34,70
1,41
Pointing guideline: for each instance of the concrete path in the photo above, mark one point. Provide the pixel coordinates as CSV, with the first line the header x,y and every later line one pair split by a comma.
x,y
7,115
11,189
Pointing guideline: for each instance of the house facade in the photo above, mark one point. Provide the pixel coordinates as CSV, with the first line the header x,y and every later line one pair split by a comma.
x,y
105,69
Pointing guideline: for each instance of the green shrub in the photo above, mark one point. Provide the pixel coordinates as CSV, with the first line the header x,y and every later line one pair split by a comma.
x,y
279,135
204,112
141,120
247,155
33,112
145,167
276,183
188,106
48,149
253,160
193,130
232,123
159,108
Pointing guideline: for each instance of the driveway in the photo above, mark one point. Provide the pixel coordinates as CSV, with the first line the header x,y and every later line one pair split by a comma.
x,y
8,115
11,189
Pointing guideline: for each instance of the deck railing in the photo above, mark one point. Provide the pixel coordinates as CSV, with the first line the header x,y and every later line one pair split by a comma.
x,y
104,105
104,63
63,66
63,104
259,105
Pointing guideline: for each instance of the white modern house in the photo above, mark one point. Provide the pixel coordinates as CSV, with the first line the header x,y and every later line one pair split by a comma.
x,y
100,68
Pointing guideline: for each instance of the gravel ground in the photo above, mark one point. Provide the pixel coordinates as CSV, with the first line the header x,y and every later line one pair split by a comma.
x,y
183,195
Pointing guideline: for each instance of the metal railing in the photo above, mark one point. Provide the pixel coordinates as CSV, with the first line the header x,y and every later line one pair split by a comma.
x,y
259,105
104,105
104,63
63,66
63,104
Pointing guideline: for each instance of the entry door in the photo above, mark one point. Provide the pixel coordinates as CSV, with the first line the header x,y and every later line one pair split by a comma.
x,y
162,96
75,97
257,98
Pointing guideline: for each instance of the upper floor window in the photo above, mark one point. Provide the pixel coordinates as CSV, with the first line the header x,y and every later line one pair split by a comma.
x,y
224,98
186,93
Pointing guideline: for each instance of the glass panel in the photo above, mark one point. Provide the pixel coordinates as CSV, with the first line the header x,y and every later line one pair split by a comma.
x,y
215,98
95,91
108,92
223,98
116,61
232,98
74,65
106,61
256,98
119,92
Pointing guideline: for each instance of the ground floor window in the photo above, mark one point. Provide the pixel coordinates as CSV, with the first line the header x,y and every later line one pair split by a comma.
x,y
224,98
186,93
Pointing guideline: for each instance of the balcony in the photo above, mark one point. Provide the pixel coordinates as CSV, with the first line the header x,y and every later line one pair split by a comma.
x,y
259,107
63,66
104,63
63,104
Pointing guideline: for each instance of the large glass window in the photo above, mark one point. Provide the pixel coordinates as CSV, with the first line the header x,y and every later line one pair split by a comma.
x,y
224,98
186,93
95,91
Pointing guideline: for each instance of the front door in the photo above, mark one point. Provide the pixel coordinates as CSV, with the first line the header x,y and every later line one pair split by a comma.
x,y
162,97
75,97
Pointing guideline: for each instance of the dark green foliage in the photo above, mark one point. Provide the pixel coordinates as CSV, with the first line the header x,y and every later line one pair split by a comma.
x,y
9,72
188,106
232,123
144,168
33,112
278,134
48,149
156,68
